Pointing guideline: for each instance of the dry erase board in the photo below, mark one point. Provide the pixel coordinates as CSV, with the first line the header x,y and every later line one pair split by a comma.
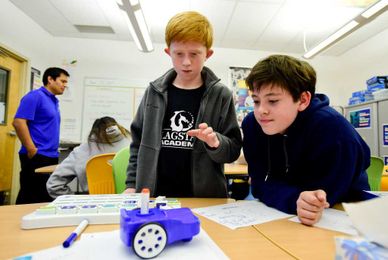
x,y
103,98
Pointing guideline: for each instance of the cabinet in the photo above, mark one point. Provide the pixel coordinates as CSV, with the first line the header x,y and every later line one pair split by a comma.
x,y
370,119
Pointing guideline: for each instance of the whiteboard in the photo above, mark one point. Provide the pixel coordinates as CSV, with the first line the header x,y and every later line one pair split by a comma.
x,y
100,101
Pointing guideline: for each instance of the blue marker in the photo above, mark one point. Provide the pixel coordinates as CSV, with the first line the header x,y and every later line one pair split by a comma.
x,y
73,236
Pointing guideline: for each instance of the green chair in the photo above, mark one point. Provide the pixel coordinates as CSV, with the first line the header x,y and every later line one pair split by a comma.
x,y
375,171
119,165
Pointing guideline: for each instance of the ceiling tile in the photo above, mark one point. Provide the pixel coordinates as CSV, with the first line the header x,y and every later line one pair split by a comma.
x,y
81,12
46,15
269,25
248,22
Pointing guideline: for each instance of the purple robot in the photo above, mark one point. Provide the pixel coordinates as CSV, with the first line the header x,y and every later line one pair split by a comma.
x,y
149,233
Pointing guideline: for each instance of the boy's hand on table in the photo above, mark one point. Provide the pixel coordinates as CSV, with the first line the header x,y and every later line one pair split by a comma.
x,y
310,206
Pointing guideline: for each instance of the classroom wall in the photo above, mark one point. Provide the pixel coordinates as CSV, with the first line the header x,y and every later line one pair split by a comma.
x,y
20,34
121,60
337,76
366,60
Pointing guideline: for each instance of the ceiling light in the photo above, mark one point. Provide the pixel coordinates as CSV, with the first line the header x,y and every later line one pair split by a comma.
x,y
360,20
331,40
380,5
136,23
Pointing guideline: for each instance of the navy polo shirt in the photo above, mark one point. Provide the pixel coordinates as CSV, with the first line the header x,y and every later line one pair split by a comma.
x,y
41,110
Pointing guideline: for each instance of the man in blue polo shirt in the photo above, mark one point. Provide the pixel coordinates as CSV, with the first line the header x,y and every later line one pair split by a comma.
x,y
37,122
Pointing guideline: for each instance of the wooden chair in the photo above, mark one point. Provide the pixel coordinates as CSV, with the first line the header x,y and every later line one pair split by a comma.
x,y
99,174
375,171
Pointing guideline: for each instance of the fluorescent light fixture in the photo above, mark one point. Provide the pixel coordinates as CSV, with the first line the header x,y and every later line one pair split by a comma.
x,y
374,9
331,39
136,23
360,20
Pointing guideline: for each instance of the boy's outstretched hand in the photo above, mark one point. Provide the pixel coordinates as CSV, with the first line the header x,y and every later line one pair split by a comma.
x,y
206,134
310,206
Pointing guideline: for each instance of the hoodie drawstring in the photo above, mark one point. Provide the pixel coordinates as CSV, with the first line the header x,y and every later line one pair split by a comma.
x,y
268,159
285,152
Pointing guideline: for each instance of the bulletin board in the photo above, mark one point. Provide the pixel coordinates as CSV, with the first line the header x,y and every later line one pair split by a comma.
x,y
108,97
241,95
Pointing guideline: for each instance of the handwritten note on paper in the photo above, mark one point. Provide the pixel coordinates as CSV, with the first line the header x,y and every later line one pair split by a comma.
x,y
107,245
336,220
241,214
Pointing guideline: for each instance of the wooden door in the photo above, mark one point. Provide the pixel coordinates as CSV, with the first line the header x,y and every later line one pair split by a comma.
x,y
11,73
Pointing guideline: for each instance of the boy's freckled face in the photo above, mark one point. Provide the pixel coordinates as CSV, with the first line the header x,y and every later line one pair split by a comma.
x,y
188,59
274,109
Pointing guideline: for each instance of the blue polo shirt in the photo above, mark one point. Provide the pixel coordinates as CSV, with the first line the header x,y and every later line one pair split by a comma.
x,y
41,110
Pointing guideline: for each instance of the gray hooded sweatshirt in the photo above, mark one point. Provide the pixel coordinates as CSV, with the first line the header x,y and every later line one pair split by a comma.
x,y
216,109
74,166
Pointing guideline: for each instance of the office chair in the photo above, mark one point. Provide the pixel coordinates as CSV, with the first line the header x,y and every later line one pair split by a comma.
x,y
375,171
119,165
99,174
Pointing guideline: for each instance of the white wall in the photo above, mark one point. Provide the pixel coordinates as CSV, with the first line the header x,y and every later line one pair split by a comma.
x,y
365,61
337,76
19,33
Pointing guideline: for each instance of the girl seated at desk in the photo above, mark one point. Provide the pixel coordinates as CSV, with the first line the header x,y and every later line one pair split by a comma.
x,y
106,136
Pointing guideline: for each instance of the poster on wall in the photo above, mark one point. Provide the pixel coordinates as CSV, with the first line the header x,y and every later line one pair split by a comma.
x,y
361,118
385,135
35,81
241,95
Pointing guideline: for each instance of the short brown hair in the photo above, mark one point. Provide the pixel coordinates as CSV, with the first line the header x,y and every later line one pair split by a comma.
x,y
189,26
54,73
295,76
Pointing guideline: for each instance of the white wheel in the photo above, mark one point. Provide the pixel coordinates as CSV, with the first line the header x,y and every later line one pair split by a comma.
x,y
149,240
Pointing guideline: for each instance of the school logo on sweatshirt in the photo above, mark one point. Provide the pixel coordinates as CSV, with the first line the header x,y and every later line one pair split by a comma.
x,y
176,135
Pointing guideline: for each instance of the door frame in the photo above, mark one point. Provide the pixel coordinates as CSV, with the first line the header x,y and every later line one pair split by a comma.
x,y
24,87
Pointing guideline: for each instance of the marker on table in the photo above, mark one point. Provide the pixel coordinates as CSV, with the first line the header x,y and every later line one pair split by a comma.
x,y
144,200
73,236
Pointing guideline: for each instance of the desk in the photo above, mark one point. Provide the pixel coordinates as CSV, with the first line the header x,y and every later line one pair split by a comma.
x,y
232,169
244,243
46,169
301,241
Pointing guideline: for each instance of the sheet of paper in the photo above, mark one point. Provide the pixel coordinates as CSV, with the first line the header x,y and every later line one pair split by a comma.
x,y
108,245
378,193
336,220
370,218
241,214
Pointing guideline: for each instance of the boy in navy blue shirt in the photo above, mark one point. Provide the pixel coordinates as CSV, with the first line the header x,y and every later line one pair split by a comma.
x,y
37,123
302,155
